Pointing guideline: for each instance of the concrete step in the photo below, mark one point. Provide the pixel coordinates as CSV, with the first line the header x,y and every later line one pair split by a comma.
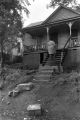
x,y
47,67
41,80
46,72
42,75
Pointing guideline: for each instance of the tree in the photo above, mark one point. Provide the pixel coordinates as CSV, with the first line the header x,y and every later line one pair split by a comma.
x,y
11,21
72,3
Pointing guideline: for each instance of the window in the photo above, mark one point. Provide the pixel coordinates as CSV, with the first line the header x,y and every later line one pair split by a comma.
x,y
75,37
74,33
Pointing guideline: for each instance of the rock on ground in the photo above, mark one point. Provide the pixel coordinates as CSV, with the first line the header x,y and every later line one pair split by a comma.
x,y
34,110
20,88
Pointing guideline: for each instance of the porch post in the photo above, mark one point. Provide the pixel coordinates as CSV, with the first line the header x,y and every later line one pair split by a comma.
x,y
47,33
70,26
70,30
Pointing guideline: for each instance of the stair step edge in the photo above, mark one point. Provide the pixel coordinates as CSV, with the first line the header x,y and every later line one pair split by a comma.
x,y
42,75
45,72
41,80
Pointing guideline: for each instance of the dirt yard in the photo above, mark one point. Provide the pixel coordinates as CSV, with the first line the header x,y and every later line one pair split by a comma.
x,y
59,98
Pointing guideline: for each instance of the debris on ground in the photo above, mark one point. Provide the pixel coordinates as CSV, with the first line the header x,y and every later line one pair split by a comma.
x,y
8,103
59,98
24,87
20,88
27,118
13,93
12,77
34,110
30,72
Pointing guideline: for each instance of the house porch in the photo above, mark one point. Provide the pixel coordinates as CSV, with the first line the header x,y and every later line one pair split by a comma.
x,y
63,27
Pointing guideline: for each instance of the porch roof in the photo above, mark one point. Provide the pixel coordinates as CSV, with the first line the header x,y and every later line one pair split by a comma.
x,y
61,15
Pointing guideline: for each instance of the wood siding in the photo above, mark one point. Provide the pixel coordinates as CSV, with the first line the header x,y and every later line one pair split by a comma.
x,y
63,36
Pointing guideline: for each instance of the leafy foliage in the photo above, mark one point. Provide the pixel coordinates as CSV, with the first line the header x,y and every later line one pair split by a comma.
x,y
11,20
54,3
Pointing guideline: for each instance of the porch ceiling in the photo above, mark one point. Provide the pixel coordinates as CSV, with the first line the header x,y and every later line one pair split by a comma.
x,y
58,27
37,32
76,24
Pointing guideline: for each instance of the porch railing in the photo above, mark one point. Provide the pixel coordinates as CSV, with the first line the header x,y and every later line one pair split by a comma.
x,y
67,43
72,42
33,48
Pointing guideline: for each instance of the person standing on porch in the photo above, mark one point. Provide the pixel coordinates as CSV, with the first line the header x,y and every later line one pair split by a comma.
x,y
51,46
50,58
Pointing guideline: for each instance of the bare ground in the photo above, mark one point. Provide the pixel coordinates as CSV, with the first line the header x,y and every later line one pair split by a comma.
x,y
59,99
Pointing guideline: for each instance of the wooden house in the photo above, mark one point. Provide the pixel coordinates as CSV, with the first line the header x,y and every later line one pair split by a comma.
x,y
63,27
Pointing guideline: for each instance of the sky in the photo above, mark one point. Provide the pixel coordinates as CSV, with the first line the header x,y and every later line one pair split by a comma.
x,y
38,11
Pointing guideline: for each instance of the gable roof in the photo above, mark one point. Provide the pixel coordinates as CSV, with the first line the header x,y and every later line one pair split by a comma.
x,y
62,13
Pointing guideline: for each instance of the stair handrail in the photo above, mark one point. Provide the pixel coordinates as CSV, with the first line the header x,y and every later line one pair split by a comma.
x,y
67,42
63,50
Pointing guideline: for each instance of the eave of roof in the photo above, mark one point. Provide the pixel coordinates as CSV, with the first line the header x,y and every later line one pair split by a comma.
x,y
35,24
42,23
53,23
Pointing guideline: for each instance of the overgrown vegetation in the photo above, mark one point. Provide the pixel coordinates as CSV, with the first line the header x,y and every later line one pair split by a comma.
x,y
11,23
72,3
